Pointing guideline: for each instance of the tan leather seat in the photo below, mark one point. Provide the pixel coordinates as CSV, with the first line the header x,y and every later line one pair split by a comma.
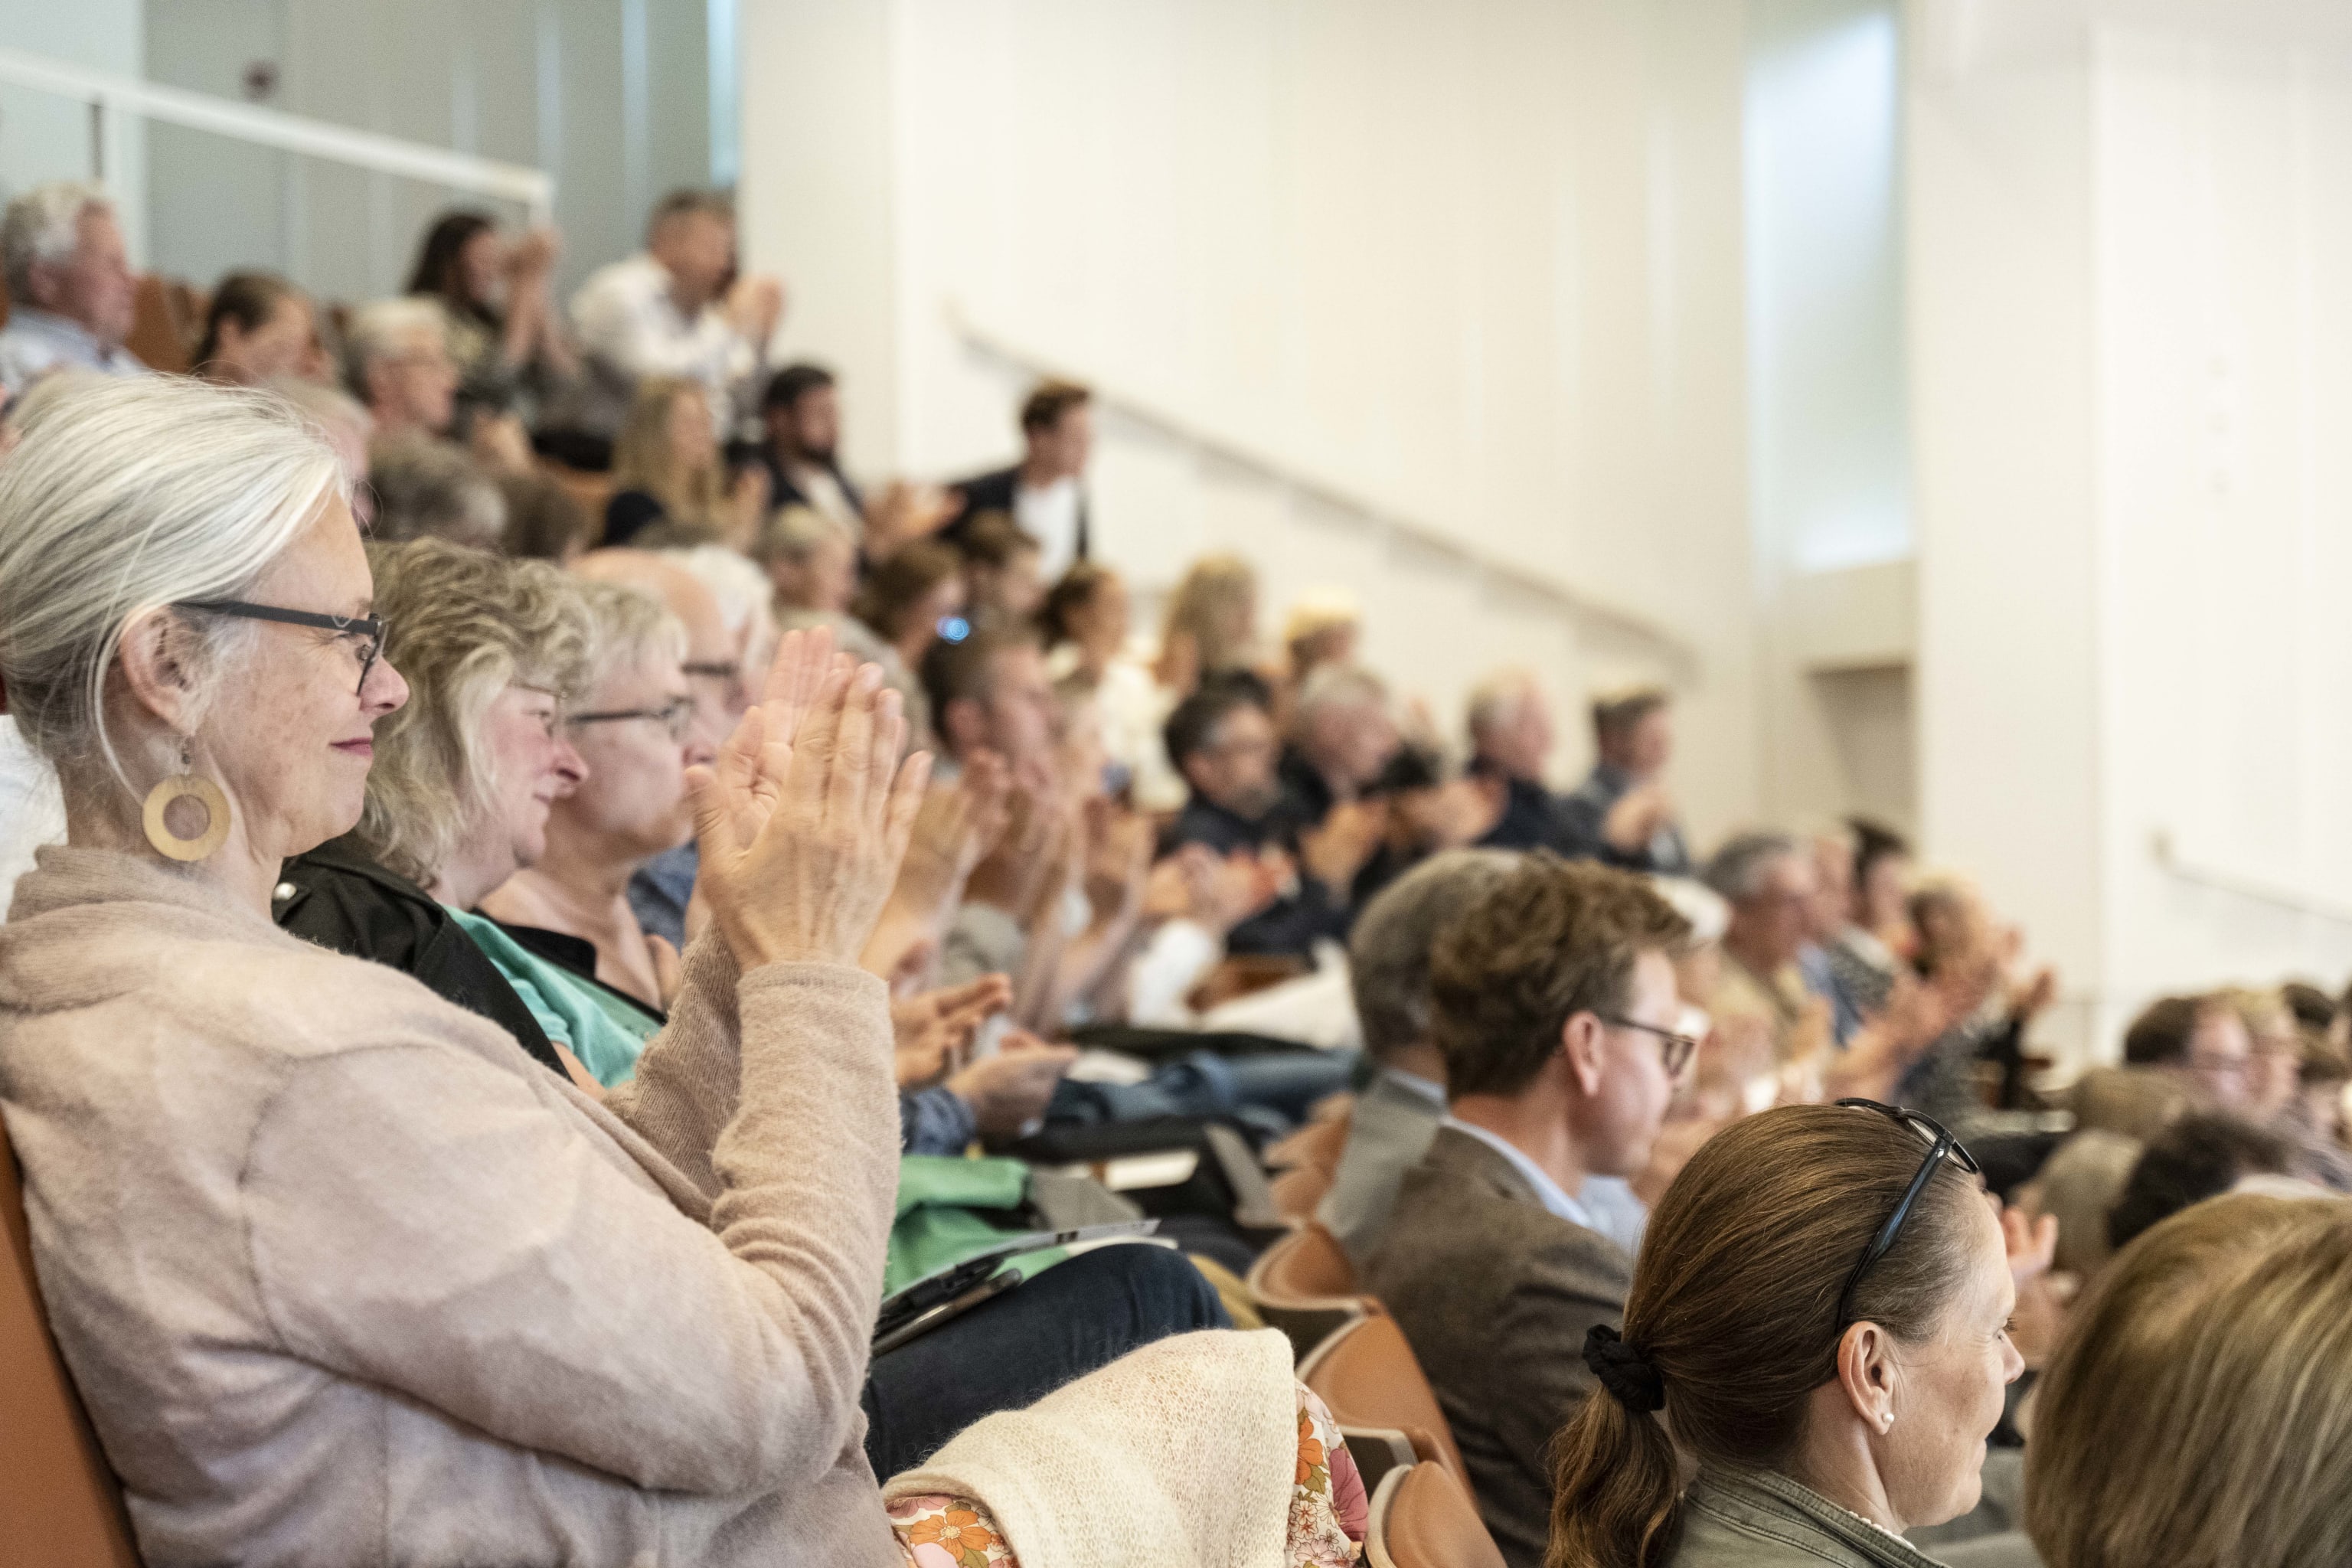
x,y
1298,1192
59,1505
1305,1286
1369,1378
1420,1517
1317,1145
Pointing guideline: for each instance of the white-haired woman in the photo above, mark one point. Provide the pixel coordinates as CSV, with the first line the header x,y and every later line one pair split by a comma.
x,y
341,1273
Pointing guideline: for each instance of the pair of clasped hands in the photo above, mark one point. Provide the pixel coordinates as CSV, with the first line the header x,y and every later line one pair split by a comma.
x,y
804,815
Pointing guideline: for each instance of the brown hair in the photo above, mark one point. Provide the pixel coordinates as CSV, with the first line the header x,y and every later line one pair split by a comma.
x,y
1735,1305
1046,404
898,581
248,298
1213,586
1067,597
1551,940
2198,1411
994,539
1615,712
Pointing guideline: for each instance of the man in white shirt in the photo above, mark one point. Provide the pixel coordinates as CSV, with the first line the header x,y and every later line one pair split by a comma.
x,y
1553,1000
662,312
1045,492
71,288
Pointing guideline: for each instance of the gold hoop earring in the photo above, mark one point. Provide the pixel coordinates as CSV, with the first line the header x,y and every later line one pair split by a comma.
x,y
206,794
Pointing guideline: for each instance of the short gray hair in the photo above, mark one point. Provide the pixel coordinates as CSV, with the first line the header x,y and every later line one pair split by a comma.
x,y
1341,685
631,625
43,226
426,488
1388,953
1737,872
378,328
1499,695
794,533
128,494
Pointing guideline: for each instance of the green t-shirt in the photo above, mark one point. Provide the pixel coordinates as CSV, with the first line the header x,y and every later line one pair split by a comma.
x,y
605,1030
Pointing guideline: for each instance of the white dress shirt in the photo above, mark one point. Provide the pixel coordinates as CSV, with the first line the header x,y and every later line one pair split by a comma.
x,y
1051,516
36,341
628,322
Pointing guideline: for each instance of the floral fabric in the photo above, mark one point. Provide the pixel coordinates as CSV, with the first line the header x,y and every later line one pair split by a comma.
x,y
1328,1511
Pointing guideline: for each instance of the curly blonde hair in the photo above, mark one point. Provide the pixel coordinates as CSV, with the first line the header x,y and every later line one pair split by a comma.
x,y
462,626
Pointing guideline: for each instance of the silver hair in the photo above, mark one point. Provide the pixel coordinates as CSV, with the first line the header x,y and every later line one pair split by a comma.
x,y
1497,695
794,533
1388,953
631,625
128,494
43,226
1737,872
1341,685
378,329
431,489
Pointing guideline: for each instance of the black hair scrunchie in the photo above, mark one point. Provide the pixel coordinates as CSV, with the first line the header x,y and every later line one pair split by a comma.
x,y
1630,1379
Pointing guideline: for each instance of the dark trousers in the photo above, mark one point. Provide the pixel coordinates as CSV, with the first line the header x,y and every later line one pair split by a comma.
x,y
1075,1317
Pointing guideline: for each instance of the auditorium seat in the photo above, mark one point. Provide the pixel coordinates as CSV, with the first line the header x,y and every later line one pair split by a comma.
x,y
1298,1192
1420,1517
1305,1286
1368,1377
1315,1146
59,1505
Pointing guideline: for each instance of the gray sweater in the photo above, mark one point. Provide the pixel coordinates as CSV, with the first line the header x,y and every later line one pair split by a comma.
x,y
344,1277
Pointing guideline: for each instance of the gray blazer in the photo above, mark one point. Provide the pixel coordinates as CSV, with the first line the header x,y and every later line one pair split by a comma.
x,y
1388,1132
1758,1520
1494,1293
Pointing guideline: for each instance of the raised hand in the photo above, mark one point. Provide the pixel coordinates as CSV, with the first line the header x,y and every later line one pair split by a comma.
x,y
802,837
934,1029
1011,1090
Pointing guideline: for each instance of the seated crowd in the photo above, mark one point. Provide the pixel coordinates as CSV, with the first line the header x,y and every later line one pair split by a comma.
x,y
538,901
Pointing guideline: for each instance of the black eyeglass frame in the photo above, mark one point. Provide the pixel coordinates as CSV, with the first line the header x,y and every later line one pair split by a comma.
x,y
677,715
1942,1145
369,626
1678,1048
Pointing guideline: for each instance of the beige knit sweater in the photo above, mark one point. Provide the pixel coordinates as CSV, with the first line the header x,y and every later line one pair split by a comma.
x,y
345,1278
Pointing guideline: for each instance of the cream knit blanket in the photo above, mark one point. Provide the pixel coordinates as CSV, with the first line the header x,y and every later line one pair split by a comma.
x,y
1181,1454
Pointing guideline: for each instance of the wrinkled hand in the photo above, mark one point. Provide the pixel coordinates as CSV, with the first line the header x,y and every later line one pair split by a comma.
x,y
1011,1090
804,816
1335,851
931,1032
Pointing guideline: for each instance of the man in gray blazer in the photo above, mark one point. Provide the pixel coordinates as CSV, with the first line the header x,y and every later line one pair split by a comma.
x,y
1552,1000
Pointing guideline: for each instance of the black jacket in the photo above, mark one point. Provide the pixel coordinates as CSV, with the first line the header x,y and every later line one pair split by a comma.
x,y
994,492
338,897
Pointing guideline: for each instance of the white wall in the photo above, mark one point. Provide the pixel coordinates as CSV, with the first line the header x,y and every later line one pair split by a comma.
x,y
611,96
1478,264
2129,385
43,137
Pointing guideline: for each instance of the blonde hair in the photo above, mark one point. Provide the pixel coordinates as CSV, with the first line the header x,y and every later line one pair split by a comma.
x,y
631,627
128,495
1203,604
641,460
463,626
2199,1412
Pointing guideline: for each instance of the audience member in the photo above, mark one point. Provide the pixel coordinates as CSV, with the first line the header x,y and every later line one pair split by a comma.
x,y
1222,741
2193,1414
1552,1002
1821,1312
1621,814
999,570
1087,622
1341,737
812,561
70,289
661,312
1045,492
1323,627
667,472
988,691
2202,1155
397,354
638,732
1830,916
505,338
1510,744
1398,1112
259,330
2277,1059
906,603
1882,876
2201,1042
1770,884
800,413
1862,964
1210,625
421,489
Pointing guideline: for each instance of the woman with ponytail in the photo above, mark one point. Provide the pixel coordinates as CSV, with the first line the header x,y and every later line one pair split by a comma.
x,y
1819,1321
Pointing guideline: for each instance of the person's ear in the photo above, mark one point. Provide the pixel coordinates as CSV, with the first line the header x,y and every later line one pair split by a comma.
x,y
1581,1051
1865,1370
158,660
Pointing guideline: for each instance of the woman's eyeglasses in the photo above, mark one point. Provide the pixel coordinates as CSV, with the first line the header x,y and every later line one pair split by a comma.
x,y
1940,1144
1675,1049
363,633
677,716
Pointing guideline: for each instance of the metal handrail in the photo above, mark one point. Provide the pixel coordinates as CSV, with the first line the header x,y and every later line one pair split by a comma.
x,y
103,90
1243,453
